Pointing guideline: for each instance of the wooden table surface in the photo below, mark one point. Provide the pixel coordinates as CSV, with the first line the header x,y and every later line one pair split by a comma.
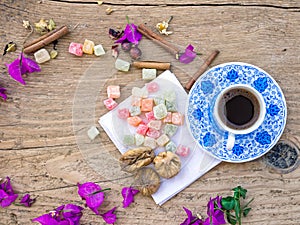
x,y
37,142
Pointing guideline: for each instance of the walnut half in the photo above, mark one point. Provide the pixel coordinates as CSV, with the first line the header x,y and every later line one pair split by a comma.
x,y
136,158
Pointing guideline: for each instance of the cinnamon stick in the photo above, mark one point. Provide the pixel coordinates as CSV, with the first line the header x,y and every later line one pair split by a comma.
x,y
143,29
45,39
202,69
152,65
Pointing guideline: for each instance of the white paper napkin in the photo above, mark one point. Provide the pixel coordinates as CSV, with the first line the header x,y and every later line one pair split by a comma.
x,y
198,163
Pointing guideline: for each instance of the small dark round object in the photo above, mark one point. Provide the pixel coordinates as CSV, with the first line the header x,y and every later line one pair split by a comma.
x,y
135,53
126,46
283,157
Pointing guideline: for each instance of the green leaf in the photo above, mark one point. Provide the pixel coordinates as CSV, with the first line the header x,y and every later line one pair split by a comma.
x,y
239,191
230,219
228,203
246,211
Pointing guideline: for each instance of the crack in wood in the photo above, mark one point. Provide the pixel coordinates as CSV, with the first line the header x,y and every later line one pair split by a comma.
x,y
182,5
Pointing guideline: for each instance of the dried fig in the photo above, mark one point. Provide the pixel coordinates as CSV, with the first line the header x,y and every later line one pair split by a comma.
x,y
136,158
147,181
167,164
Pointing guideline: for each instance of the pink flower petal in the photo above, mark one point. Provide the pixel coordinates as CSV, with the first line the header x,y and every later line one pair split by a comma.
x,y
188,56
90,193
128,195
109,217
2,94
14,71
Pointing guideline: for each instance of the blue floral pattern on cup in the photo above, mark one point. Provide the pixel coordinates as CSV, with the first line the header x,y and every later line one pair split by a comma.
x,y
232,75
207,87
209,140
237,150
207,132
261,84
198,114
273,110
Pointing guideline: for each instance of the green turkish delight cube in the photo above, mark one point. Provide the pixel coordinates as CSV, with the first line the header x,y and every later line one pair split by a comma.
x,y
170,129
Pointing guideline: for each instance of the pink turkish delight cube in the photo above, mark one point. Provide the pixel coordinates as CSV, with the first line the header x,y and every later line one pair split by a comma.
x,y
110,103
153,133
113,91
168,118
182,150
177,118
152,87
123,113
142,129
150,115
76,49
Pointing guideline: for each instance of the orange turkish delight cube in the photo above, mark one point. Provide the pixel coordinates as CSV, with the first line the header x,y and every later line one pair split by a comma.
x,y
134,120
147,105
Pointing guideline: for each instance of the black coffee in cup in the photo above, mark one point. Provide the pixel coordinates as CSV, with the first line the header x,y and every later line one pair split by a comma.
x,y
238,108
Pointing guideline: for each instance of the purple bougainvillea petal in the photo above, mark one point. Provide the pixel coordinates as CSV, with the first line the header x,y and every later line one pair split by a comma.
x,y
90,193
29,65
6,199
109,217
27,201
131,34
128,195
14,71
46,219
2,94
190,218
188,56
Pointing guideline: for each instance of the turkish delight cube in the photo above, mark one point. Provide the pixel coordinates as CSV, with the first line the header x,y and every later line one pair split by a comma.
x,y
168,118
155,124
139,92
142,129
150,142
152,87
171,106
182,150
93,132
113,91
170,96
159,100
171,146
134,120
123,113
177,118
147,105
75,49
148,74
139,139
110,103
98,50
122,65
160,111
88,47
150,115
135,111
170,129
153,133
162,140
42,56
136,101
128,139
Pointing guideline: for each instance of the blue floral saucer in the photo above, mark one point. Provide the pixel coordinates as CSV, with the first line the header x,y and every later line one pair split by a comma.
x,y
207,133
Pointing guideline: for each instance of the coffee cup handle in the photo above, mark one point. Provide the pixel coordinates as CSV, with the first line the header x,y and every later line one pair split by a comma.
x,y
230,141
